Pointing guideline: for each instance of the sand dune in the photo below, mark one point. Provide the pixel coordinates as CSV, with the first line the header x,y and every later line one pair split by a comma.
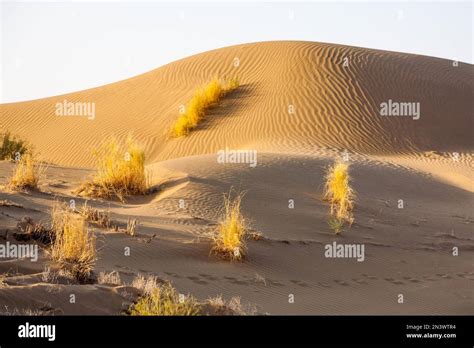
x,y
336,108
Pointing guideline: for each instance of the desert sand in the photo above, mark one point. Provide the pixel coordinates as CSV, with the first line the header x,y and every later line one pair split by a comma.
x,y
300,107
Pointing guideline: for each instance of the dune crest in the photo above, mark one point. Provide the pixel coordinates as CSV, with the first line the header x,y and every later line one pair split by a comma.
x,y
295,97
404,121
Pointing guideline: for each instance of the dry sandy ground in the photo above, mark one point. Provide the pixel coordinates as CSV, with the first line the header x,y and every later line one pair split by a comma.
x,y
407,251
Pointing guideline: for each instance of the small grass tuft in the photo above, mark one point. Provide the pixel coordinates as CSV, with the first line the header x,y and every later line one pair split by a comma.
x,y
74,244
131,227
202,100
165,300
230,240
27,173
234,306
340,195
29,230
336,224
12,146
96,216
145,283
112,278
120,171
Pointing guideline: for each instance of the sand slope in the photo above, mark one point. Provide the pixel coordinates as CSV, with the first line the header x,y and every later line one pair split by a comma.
x,y
407,251
334,106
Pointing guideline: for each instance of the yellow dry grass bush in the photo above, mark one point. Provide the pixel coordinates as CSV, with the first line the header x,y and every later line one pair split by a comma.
x,y
27,173
230,239
11,146
73,243
120,171
340,195
202,100
165,300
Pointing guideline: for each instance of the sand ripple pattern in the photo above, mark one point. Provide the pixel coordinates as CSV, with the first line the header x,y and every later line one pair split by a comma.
x,y
334,106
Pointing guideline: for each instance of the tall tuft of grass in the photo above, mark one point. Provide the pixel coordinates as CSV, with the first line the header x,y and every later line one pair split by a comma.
x,y
120,171
340,195
230,240
202,100
11,146
165,300
27,173
74,244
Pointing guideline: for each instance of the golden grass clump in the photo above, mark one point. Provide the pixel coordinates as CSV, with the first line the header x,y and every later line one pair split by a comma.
x,y
230,240
165,300
74,244
340,194
120,171
12,146
202,100
27,173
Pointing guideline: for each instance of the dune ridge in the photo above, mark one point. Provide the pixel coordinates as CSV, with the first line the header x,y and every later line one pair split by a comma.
x,y
334,106
426,163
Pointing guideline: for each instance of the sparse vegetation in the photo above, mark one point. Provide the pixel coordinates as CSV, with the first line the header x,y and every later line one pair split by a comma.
x,y
120,171
2,281
234,306
56,276
11,146
30,230
165,300
74,244
131,227
230,240
112,278
340,195
145,284
202,100
99,217
336,224
7,203
256,235
26,174
260,279
25,312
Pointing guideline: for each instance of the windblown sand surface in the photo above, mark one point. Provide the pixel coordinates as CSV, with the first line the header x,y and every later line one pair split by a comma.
x,y
426,162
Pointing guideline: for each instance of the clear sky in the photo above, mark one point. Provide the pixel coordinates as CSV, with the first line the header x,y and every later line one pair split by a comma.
x,y
51,48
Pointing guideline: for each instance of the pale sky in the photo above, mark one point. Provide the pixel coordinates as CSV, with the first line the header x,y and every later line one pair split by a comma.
x,y
55,47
